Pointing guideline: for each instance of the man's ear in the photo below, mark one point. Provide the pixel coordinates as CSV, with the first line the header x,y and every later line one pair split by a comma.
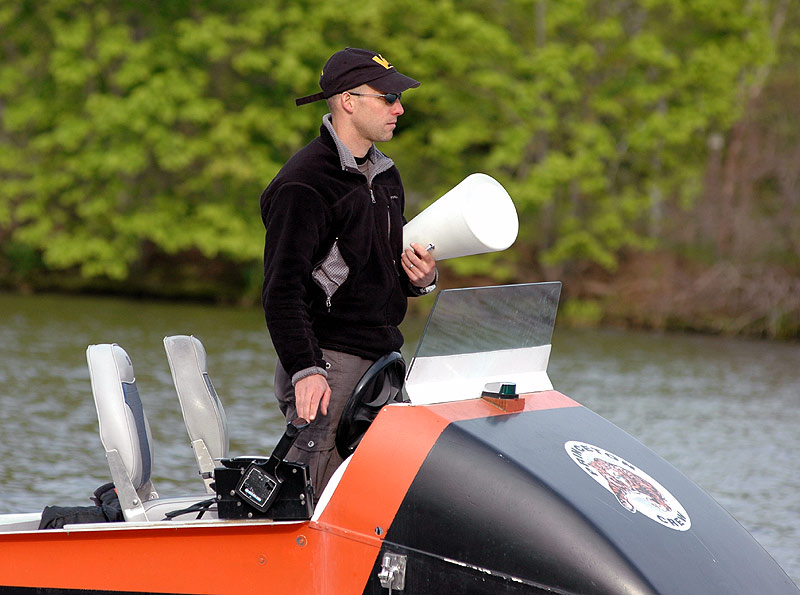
x,y
347,102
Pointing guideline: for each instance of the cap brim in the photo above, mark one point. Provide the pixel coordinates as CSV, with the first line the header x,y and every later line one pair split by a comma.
x,y
393,82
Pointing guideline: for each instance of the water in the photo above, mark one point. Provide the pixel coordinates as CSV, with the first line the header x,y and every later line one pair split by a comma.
x,y
724,412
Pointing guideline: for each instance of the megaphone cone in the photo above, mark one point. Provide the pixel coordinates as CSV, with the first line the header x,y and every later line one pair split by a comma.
x,y
475,217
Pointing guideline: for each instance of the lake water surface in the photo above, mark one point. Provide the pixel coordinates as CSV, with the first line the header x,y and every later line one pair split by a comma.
x,y
724,412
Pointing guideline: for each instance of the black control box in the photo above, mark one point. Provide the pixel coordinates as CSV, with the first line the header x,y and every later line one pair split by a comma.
x,y
293,498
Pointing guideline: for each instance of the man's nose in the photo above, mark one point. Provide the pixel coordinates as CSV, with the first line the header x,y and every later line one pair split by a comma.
x,y
397,108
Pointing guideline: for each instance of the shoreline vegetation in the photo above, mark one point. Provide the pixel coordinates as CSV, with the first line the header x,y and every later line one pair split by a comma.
x,y
656,292
652,149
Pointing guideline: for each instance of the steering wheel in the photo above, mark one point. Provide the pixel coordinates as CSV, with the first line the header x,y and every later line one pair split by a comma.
x,y
381,383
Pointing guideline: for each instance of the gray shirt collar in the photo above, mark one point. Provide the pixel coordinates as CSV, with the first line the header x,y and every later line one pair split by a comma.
x,y
377,162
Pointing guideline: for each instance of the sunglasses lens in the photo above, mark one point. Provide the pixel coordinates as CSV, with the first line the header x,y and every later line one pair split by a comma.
x,y
392,97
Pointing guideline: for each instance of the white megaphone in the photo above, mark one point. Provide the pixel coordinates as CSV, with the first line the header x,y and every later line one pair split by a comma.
x,y
475,217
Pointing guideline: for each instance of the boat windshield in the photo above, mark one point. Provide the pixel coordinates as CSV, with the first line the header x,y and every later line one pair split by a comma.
x,y
484,334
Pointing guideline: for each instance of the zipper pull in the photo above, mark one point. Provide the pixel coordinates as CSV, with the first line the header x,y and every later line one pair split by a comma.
x,y
371,195
328,303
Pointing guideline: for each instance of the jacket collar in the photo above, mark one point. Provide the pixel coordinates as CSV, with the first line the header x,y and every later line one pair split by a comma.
x,y
376,160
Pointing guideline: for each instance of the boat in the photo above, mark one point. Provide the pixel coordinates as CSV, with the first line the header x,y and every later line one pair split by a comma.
x,y
475,475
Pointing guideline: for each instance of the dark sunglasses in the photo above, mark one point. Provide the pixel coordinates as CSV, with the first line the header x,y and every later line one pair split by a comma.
x,y
389,97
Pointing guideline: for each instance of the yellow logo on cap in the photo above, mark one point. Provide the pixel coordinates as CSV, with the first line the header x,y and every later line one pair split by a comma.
x,y
382,61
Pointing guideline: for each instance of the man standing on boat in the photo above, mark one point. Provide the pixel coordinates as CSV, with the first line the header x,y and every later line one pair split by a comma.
x,y
336,273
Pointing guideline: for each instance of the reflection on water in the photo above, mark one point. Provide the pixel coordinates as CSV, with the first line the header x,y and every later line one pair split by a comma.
x,y
724,412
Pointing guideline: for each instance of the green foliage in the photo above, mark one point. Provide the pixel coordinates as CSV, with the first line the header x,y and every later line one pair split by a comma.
x,y
581,313
134,125
125,124
593,114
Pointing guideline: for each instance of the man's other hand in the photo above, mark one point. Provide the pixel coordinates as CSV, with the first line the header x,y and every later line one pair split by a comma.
x,y
419,265
312,393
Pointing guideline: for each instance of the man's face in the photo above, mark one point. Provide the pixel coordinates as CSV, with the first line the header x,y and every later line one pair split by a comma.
x,y
373,118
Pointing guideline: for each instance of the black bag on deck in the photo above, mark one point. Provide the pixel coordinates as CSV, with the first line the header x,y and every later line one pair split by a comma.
x,y
107,509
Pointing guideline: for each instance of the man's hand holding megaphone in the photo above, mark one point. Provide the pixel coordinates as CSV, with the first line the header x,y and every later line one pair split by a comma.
x,y
419,265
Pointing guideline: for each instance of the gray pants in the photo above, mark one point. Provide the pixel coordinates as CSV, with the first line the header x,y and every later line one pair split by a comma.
x,y
316,445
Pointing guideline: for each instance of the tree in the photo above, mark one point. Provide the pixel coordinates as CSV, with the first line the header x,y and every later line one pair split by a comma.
x,y
593,114
135,126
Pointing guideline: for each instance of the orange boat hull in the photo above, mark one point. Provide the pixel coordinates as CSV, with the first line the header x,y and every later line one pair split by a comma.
x,y
335,553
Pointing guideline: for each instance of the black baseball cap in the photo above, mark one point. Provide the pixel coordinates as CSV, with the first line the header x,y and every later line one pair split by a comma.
x,y
352,67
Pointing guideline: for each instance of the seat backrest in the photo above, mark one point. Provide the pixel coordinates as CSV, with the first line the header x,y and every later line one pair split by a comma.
x,y
124,430
201,407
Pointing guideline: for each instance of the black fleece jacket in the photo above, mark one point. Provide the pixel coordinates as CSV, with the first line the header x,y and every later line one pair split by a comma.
x,y
332,274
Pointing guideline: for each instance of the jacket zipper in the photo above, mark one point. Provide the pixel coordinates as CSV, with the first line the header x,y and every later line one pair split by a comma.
x,y
388,221
389,230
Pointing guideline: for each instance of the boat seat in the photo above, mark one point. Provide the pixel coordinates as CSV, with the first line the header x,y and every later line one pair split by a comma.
x,y
124,430
201,407
126,438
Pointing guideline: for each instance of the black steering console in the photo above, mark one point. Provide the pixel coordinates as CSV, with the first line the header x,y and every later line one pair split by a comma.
x,y
259,487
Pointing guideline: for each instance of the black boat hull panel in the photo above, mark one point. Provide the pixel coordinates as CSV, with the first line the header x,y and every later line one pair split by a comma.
x,y
500,500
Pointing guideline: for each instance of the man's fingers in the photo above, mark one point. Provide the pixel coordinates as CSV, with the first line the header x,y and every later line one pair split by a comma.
x,y
424,255
326,399
418,264
413,264
304,407
312,407
417,257
309,392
